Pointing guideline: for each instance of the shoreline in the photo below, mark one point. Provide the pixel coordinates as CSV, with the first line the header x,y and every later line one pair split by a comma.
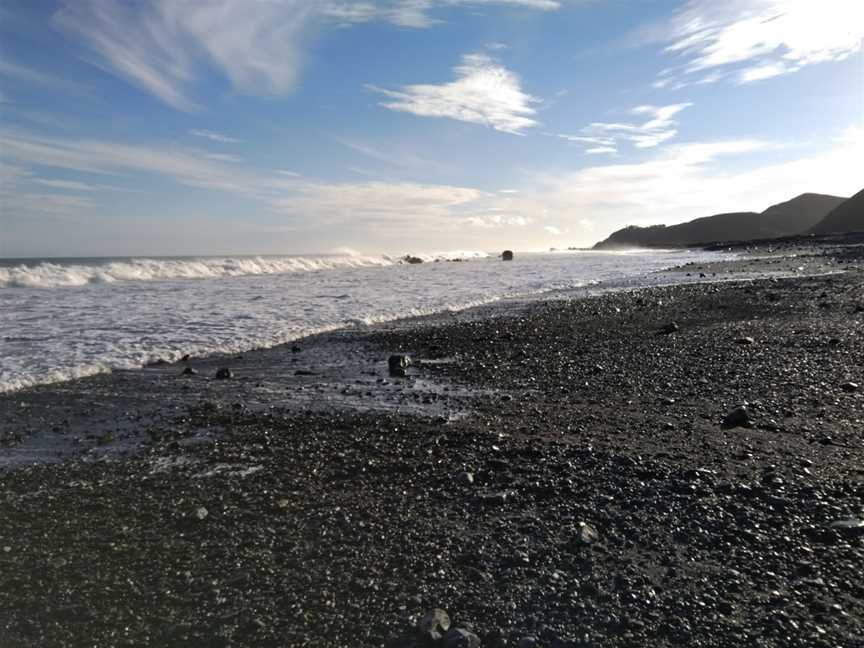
x,y
260,515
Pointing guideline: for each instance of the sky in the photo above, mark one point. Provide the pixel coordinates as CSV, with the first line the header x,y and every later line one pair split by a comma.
x,y
170,127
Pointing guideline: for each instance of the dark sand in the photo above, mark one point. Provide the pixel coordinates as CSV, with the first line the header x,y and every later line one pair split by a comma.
x,y
609,505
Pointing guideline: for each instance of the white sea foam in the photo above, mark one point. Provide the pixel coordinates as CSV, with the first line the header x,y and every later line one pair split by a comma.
x,y
49,274
127,313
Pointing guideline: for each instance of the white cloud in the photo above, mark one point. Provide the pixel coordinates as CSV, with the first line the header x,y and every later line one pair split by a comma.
x,y
499,220
8,69
484,92
162,45
405,206
290,174
605,137
223,157
389,156
687,181
215,137
759,39
377,203
95,156
27,75
414,14
71,185
552,230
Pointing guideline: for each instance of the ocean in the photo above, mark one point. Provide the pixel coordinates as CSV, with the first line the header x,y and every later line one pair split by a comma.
x,y
62,319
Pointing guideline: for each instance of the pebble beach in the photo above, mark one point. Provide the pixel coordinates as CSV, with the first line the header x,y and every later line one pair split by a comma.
x,y
679,465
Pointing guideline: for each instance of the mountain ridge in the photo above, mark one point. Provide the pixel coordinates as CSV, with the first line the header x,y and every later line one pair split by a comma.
x,y
846,217
789,218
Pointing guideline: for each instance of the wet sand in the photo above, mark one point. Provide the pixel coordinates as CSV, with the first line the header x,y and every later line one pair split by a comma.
x,y
557,470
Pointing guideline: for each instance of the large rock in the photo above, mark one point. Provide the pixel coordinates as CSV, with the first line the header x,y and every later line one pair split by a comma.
x,y
459,638
397,364
434,624
507,255
738,417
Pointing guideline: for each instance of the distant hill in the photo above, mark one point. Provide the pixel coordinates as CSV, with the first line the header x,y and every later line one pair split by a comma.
x,y
846,217
785,219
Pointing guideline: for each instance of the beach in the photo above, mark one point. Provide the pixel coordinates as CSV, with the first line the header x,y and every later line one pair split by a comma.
x,y
678,465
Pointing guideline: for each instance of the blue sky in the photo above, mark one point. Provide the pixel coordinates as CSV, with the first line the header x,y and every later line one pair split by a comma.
x,y
290,126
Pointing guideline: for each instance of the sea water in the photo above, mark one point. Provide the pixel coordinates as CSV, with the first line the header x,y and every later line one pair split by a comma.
x,y
66,318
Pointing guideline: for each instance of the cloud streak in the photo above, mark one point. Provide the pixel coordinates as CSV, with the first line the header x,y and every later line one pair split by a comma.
x,y
606,137
752,40
214,137
484,92
162,46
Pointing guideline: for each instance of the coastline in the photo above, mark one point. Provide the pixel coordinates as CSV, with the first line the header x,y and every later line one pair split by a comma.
x,y
339,526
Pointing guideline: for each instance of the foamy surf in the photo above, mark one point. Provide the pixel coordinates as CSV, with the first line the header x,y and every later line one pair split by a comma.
x,y
126,313
50,274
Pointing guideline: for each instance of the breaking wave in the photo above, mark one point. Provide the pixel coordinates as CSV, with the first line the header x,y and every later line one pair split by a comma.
x,y
48,274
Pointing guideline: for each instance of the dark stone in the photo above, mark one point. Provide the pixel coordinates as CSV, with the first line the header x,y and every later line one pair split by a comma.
x,y
397,364
745,341
189,371
850,526
459,638
224,374
296,349
737,417
434,624
412,259
849,386
671,327
507,255
186,358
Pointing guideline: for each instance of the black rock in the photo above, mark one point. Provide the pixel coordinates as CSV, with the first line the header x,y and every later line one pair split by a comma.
x,y
186,358
737,417
398,363
507,255
853,527
412,259
459,638
745,341
434,624
189,371
224,374
671,327
849,386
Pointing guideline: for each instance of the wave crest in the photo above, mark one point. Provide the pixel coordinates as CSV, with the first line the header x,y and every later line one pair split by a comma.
x,y
60,275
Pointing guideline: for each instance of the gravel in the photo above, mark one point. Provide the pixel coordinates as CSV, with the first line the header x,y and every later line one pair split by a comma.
x,y
604,508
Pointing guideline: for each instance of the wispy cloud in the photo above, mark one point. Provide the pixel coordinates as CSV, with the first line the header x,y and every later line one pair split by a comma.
x,y
484,92
223,157
161,46
307,202
28,75
598,150
215,137
391,156
378,203
686,181
416,14
605,137
751,40
71,185
14,71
